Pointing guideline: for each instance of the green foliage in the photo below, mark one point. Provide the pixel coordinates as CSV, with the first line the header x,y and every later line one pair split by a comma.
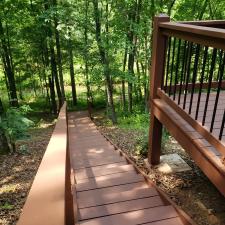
x,y
15,124
6,206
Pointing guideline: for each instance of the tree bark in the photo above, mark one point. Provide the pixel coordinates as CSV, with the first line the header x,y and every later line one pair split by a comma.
x,y
59,55
52,94
72,74
8,67
123,81
104,59
55,74
89,94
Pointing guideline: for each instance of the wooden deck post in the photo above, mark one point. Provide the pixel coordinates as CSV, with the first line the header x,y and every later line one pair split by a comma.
x,y
156,74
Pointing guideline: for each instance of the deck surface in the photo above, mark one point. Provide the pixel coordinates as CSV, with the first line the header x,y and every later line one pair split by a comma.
x,y
209,113
108,190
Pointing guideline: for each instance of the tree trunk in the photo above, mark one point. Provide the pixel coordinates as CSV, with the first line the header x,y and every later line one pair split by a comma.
x,y
59,58
104,59
52,94
8,67
55,75
89,94
72,74
139,81
123,81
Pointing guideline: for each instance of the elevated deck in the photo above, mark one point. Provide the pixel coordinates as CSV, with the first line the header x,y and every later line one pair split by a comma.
x,y
187,92
108,189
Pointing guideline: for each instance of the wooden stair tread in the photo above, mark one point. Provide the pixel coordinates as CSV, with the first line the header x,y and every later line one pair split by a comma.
x,y
109,180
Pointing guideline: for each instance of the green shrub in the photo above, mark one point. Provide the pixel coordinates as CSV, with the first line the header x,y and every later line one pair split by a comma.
x,y
15,124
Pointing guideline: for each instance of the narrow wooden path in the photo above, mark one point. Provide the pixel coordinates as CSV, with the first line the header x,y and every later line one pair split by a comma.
x,y
108,190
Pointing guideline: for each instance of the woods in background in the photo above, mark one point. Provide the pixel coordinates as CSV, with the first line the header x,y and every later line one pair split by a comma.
x,y
49,46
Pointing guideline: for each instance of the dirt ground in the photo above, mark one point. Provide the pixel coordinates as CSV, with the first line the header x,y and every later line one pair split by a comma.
x,y
191,190
18,171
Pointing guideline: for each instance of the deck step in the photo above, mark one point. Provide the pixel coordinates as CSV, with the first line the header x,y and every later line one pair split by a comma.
x,y
109,191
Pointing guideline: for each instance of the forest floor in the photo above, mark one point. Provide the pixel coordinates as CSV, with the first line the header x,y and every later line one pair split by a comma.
x,y
191,190
18,170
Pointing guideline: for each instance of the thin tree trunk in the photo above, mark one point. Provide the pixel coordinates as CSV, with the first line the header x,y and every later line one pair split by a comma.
x,y
55,75
104,59
52,94
72,74
139,81
8,69
123,81
59,60
89,94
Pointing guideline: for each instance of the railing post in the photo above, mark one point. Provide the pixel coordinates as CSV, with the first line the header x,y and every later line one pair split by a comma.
x,y
157,72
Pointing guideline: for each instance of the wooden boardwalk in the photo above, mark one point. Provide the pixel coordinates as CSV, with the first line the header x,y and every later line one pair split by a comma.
x,y
108,190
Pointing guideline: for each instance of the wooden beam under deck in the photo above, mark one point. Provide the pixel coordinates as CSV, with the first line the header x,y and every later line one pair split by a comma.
x,y
197,148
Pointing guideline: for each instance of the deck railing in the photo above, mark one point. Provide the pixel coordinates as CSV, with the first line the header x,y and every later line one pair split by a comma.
x,y
188,73
50,199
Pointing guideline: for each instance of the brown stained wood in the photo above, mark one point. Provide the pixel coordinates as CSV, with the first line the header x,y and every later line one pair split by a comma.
x,y
120,207
207,23
173,221
92,151
47,198
109,180
195,124
83,163
136,217
214,84
206,160
156,75
115,194
88,145
102,170
207,36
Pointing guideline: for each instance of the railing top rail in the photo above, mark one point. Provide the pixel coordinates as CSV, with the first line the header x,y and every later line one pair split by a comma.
x,y
207,23
209,36
45,203
194,29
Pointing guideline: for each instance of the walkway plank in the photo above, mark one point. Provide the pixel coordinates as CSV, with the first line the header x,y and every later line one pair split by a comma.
x,y
114,194
109,180
108,190
120,207
135,217
86,173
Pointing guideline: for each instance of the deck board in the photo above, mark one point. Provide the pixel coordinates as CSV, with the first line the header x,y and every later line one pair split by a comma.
x,y
211,104
108,190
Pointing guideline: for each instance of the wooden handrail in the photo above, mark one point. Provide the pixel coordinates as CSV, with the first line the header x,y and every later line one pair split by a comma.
x,y
46,203
207,36
206,23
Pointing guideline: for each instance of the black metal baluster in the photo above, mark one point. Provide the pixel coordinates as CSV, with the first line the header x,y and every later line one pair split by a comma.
x,y
220,61
164,63
222,126
201,81
221,70
188,73
168,64
209,84
172,65
177,68
182,71
194,75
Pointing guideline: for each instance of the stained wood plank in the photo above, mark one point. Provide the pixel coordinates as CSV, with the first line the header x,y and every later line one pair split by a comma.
x,y
136,217
104,161
102,170
115,194
120,207
109,180
173,221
